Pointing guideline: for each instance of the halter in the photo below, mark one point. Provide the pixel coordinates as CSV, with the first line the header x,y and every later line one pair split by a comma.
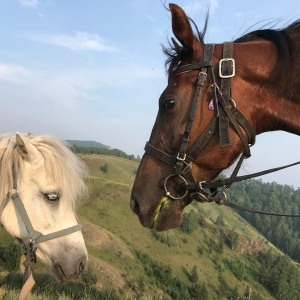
x,y
36,238
225,112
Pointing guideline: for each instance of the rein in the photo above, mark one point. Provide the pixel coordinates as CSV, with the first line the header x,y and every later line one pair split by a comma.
x,y
36,238
225,113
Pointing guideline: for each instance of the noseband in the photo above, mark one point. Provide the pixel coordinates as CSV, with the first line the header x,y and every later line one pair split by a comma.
x,y
225,113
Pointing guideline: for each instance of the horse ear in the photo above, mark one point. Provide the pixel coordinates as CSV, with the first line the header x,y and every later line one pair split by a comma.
x,y
182,28
27,150
176,45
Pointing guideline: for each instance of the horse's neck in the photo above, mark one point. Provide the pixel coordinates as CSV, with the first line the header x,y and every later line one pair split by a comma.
x,y
273,99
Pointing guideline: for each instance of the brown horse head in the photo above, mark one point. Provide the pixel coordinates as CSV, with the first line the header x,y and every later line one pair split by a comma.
x,y
200,130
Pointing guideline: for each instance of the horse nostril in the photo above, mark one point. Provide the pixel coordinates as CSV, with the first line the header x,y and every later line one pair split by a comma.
x,y
82,266
134,206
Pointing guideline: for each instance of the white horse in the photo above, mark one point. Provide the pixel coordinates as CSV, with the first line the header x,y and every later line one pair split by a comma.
x,y
40,182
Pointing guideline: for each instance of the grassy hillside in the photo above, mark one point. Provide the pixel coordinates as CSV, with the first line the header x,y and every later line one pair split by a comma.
x,y
131,263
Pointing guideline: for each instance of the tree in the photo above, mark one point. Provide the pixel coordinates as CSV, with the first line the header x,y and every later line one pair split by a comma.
x,y
247,293
198,291
233,239
220,246
235,293
220,221
190,222
194,277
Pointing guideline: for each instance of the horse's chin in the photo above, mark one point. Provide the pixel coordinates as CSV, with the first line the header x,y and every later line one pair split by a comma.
x,y
168,214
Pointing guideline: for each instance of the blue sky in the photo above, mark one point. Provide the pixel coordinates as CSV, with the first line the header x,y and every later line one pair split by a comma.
x,y
94,70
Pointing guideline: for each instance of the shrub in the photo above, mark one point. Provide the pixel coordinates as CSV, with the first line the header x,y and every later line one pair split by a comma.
x,y
190,222
166,237
104,168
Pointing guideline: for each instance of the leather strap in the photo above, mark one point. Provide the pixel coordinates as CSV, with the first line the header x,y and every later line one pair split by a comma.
x,y
223,182
181,156
158,154
254,211
192,67
28,279
202,141
226,93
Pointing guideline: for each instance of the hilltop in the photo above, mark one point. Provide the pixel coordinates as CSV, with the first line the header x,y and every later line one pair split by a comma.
x,y
215,255
87,144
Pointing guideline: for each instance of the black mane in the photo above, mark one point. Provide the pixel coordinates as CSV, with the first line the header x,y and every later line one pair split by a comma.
x,y
281,38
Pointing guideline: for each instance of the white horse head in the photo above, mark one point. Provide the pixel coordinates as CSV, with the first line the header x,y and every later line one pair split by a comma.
x,y
49,180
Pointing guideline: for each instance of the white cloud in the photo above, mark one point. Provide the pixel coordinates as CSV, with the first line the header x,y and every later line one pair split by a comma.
x,y
11,72
29,3
80,41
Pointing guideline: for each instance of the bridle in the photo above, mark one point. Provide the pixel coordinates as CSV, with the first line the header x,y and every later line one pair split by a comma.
x,y
225,113
35,238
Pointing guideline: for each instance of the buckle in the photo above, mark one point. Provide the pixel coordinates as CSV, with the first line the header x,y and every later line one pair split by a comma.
x,y
181,158
232,67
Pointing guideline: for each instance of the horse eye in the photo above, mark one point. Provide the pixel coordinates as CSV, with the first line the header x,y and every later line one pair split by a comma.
x,y
168,104
51,197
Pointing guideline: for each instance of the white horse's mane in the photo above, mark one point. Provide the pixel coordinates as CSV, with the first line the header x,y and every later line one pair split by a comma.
x,y
61,163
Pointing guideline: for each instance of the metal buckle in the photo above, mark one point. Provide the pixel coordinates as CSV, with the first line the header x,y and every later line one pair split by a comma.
x,y
201,78
221,67
181,158
200,185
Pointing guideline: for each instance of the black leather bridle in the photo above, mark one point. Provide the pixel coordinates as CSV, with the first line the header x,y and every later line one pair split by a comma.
x,y
225,113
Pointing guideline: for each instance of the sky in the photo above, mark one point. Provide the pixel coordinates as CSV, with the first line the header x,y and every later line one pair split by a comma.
x,y
94,69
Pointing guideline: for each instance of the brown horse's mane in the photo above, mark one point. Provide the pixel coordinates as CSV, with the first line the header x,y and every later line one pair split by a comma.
x,y
281,38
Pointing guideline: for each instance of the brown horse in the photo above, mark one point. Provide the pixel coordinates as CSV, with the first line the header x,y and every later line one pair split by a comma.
x,y
217,99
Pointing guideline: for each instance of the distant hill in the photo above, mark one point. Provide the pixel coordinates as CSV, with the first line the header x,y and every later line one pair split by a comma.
x,y
87,144
91,147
